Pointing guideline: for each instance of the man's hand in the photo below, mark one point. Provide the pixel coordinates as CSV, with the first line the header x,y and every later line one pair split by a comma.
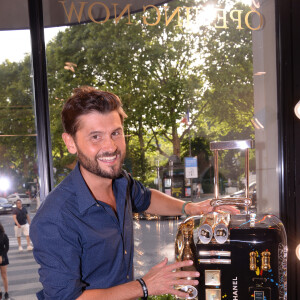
x,y
162,279
204,207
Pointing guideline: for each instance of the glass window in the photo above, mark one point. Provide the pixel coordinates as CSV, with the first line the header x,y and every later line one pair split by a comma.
x,y
18,134
19,176
188,73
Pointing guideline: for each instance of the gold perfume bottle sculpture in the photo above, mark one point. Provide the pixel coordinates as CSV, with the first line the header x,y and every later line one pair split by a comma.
x,y
185,249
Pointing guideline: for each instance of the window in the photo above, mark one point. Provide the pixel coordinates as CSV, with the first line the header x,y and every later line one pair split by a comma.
x,y
17,130
188,74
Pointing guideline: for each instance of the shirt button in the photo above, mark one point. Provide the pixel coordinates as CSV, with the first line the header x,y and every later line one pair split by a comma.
x,y
127,276
125,252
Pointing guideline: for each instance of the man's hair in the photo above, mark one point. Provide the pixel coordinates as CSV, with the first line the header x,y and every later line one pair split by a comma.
x,y
2,231
85,100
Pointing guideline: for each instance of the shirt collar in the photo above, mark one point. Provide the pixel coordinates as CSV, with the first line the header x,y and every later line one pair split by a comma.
x,y
84,197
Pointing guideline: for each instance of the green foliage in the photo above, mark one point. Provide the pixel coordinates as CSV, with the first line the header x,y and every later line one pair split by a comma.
x,y
17,123
228,70
159,72
148,67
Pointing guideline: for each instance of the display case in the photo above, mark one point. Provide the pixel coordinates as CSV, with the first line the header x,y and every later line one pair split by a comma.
x,y
241,256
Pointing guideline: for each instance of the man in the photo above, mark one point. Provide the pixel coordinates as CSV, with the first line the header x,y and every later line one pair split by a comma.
x,y
83,233
22,222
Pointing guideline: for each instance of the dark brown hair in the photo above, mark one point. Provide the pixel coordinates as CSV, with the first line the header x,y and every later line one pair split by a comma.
x,y
2,231
85,100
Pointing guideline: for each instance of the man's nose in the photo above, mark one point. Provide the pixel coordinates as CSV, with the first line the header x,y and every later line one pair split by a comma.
x,y
109,144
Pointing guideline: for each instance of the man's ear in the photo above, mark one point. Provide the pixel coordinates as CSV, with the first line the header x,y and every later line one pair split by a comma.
x,y
69,141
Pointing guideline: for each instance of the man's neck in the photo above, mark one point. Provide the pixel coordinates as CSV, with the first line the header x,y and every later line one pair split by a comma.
x,y
100,187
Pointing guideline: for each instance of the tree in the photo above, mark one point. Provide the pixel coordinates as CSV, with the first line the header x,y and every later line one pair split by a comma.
x,y
18,141
152,69
228,70
160,72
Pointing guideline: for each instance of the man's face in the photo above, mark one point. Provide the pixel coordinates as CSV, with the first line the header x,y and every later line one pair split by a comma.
x,y
100,144
19,204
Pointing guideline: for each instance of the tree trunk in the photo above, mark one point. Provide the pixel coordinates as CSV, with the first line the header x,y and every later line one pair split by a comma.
x,y
176,141
142,147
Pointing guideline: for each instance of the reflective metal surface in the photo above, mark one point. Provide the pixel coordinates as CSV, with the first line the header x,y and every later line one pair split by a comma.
x,y
231,145
227,145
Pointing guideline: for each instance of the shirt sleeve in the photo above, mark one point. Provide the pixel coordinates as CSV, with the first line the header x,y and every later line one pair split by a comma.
x,y
140,196
57,250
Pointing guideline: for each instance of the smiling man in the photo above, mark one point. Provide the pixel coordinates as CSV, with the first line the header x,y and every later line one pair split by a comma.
x,y
83,231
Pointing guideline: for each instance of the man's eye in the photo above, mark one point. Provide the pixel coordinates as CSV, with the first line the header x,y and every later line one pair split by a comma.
x,y
96,137
117,134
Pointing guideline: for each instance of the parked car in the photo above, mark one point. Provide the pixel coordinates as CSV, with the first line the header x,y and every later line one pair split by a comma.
x,y
5,207
241,194
16,196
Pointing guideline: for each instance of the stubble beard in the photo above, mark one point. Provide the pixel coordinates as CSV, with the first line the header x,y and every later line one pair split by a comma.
x,y
93,166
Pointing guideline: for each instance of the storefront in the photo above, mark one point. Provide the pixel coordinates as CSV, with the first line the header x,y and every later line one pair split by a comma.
x,y
188,73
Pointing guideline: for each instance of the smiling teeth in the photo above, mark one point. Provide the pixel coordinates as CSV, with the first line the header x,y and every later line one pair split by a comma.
x,y
107,158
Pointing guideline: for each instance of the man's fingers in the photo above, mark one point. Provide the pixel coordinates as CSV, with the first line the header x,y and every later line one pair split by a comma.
x,y
162,279
179,264
186,274
185,282
231,209
162,263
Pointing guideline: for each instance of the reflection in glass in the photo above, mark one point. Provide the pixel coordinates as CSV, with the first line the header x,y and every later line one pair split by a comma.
x,y
183,83
18,161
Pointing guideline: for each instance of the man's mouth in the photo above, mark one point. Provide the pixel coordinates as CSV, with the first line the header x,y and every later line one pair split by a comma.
x,y
108,158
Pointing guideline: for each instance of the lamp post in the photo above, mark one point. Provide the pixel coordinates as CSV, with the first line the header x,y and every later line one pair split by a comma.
x,y
157,172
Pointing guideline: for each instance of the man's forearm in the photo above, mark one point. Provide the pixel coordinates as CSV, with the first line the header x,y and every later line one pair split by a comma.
x,y
165,205
127,291
16,221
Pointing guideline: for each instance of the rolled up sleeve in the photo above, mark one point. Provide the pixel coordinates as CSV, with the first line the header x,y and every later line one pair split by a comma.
x,y
141,196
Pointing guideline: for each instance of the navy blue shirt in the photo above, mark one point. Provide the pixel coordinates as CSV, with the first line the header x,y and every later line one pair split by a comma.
x,y
21,215
80,243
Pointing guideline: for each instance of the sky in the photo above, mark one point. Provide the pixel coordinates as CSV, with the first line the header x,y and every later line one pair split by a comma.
x,y
16,43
